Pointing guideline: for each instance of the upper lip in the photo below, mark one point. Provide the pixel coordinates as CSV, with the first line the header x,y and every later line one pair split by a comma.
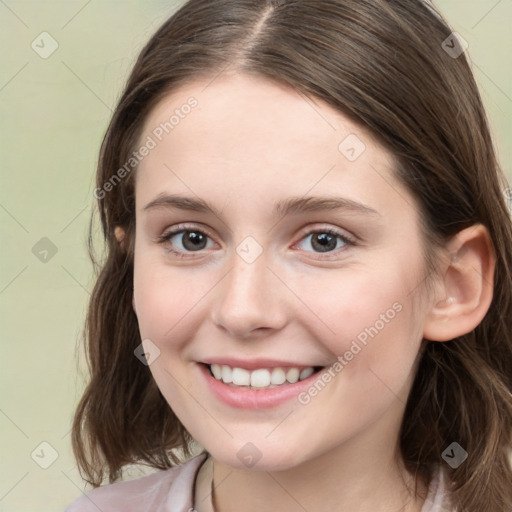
x,y
254,364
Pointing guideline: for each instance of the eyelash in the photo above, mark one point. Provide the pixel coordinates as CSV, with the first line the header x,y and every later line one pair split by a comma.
x,y
165,238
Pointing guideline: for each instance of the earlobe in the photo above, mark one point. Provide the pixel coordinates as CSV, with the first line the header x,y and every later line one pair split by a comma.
x,y
466,291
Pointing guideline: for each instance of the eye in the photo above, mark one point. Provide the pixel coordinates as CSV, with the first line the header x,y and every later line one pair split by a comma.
x,y
326,240
185,239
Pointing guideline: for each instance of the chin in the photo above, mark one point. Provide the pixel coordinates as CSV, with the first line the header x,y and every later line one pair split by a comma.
x,y
255,457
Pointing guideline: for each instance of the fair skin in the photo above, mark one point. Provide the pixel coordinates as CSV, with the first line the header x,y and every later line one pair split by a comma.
x,y
247,145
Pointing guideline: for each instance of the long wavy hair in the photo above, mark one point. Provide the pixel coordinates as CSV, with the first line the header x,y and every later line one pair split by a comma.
x,y
393,67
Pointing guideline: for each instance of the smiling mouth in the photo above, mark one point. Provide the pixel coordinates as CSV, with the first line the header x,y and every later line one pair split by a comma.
x,y
262,378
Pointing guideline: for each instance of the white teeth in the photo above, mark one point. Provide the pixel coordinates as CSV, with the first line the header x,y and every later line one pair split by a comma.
x,y
307,372
292,375
217,371
227,375
240,377
278,376
261,378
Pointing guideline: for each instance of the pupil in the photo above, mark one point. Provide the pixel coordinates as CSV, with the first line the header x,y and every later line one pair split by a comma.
x,y
326,242
196,239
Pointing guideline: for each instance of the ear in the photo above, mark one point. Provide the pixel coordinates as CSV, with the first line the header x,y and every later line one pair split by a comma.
x,y
119,234
465,293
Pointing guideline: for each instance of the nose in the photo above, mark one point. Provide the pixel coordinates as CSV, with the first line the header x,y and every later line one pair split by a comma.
x,y
250,300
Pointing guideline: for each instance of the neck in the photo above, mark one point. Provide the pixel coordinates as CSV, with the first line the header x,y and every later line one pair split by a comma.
x,y
364,474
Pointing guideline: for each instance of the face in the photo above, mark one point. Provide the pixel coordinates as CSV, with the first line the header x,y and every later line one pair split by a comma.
x,y
329,284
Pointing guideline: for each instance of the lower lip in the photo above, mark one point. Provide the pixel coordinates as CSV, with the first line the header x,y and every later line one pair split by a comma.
x,y
253,398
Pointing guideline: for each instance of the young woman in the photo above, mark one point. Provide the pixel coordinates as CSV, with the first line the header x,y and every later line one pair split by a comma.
x,y
308,270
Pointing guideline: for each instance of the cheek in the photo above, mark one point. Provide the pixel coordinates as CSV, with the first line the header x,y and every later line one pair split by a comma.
x,y
167,307
368,322
169,302
344,307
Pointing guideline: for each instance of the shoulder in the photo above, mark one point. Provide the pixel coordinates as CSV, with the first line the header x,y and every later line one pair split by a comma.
x,y
156,492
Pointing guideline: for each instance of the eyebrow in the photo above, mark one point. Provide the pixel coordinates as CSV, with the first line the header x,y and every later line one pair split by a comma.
x,y
289,206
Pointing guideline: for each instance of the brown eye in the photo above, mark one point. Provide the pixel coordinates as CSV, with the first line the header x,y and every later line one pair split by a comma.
x,y
193,240
182,241
326,240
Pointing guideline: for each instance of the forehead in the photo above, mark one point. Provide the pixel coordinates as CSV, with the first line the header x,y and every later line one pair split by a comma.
x,y
248,108
262,140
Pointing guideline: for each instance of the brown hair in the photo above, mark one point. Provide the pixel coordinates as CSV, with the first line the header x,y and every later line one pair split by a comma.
x,y
383,64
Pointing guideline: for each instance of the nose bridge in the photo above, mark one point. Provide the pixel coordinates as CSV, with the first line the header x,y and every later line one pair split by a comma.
x,y
248,299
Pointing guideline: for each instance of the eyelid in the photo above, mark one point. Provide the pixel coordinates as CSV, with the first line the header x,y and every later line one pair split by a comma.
x,y
165,237
348,239
326,229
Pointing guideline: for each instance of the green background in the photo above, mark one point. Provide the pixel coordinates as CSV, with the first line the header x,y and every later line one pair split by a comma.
x,y
53,114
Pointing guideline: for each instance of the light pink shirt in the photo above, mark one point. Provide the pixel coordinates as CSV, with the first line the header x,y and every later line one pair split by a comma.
x,y
173,491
